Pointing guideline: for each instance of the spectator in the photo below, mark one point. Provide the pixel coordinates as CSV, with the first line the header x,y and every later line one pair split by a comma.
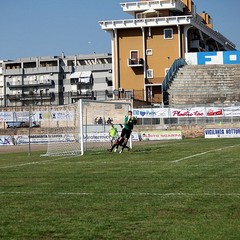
x,y
100,121
109,121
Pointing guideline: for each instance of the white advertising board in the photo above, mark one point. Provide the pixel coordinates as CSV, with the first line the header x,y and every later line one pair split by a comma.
x,y
160,135
6,141
222,133
45,138
104,137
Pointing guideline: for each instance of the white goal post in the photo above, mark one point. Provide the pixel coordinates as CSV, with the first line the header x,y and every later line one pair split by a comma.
x,y
83,126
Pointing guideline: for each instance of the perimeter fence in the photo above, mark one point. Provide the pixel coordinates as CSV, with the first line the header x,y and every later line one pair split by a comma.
x,y
34,116
188,114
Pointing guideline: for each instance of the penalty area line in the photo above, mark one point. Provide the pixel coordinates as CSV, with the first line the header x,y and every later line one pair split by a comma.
x,y
203,153
34,163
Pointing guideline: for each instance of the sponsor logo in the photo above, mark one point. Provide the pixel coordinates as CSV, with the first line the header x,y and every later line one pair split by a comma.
x,y
215,113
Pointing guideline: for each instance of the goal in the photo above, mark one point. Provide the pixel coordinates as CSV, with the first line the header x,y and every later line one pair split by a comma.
x,y
83,126
63,129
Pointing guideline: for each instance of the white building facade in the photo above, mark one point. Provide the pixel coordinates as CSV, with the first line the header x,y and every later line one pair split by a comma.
x,y
55,80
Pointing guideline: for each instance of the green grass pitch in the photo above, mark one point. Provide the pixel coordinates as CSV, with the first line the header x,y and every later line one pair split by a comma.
x,y
185,189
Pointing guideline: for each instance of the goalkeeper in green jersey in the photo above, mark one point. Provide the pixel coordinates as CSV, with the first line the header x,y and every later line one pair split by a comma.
x,y
129,122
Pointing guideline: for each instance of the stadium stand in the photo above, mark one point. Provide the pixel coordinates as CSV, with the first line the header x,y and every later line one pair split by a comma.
x,y
205,84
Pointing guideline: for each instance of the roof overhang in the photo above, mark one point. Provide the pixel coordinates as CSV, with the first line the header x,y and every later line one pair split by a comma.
x,y
133,7
187,20
145,22
86,74
75,75
83,74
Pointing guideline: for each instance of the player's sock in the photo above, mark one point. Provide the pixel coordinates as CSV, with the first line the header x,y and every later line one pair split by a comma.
x,y
113,146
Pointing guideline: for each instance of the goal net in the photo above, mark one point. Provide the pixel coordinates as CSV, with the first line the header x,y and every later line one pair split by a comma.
x,y
63,129
83,126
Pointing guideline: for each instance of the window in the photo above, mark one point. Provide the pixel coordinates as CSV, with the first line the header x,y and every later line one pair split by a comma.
x,y
109,83
128,94
134,54
149,52
168,33
134,58
150,73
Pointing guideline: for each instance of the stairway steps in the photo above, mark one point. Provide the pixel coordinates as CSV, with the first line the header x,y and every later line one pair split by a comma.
x,y
205,83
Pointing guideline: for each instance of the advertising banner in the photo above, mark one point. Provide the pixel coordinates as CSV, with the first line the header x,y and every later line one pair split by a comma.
x,y
6,141
230,111
222,133
6,116
160,135
191,112
37,116
43,138
151,113
104,137
54,115
209,58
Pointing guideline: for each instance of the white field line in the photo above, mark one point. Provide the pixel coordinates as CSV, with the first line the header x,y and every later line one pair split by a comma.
x,y
34,163
122,194
203,153
57,159
107,162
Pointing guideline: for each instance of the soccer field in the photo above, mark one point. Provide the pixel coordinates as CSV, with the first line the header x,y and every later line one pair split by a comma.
x,y
185,189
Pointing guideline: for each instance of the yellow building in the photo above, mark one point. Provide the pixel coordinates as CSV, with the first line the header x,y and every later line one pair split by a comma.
x,y
144,47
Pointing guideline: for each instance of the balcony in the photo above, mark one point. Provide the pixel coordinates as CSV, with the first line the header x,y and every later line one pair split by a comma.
x,y
43,96
42,70
31,97
12,71
82,95
135,62
14,97
30,84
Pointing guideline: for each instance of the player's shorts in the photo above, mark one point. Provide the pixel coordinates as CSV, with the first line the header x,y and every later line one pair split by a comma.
x,y
113,139
126,133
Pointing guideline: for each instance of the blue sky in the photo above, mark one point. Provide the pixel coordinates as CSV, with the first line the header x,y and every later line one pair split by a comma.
x,y
31,28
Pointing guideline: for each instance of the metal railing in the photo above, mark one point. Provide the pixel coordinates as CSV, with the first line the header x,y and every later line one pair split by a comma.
x,y
53,98
178,63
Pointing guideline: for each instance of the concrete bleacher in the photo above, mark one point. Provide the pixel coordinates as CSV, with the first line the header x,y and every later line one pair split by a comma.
x,y
205,84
